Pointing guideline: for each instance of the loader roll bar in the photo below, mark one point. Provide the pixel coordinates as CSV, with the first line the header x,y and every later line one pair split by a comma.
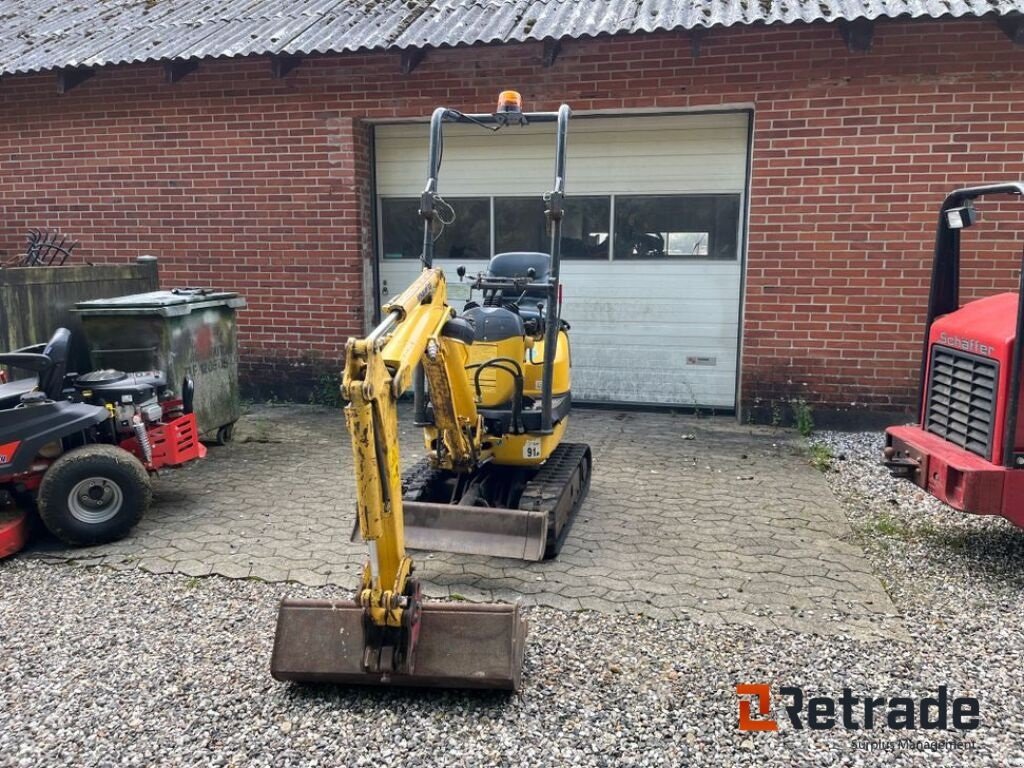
x,y
554,211
944,297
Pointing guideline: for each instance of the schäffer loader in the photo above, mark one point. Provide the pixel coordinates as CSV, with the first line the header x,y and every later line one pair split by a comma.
x,y
967,447
491,392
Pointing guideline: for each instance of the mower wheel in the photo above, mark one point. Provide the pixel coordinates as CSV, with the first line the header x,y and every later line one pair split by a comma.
x,y
226,434
93,494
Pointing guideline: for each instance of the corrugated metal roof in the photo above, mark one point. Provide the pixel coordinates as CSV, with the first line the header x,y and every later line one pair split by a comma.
x,y
47,34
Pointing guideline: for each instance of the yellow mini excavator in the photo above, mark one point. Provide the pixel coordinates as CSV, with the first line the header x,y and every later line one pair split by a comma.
x,y
491,392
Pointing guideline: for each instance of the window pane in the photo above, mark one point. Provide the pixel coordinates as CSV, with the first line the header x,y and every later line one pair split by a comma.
x,y
519,225
585,227
677,227
467,237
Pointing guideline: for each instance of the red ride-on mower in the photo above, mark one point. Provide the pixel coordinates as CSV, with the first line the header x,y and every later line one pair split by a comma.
x,y
82,446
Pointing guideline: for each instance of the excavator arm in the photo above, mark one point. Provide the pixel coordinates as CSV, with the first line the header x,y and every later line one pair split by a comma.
x,y
378,370
376,639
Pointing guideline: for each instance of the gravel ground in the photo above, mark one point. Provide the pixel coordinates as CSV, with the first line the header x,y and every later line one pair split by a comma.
x,y
105,667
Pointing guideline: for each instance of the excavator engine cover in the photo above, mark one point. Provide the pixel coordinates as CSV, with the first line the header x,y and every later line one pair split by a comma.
x,y
461,645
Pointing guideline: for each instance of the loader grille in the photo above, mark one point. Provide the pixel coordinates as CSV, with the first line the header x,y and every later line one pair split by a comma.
x,y
961,405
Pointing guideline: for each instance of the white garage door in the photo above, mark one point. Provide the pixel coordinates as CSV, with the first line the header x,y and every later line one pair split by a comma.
x,y
652,238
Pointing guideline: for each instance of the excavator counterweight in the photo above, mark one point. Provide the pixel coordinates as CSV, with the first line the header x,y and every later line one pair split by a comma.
x,y
491,392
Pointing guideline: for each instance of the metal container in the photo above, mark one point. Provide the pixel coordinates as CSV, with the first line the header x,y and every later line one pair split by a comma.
x,y
182,332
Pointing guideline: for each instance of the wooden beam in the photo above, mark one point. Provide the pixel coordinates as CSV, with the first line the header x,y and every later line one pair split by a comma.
x,y
1013,27
411,58
552,48
175,70
281,66
71,77
857,34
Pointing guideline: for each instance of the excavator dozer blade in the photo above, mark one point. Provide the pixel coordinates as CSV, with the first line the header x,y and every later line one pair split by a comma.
x,y
492,531
460,646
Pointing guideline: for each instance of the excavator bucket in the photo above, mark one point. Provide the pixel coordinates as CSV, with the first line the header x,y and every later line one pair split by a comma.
x,y
460,646
495,532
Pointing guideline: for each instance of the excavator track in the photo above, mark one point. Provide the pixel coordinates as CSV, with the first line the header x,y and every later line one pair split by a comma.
x,y
417,480
558,488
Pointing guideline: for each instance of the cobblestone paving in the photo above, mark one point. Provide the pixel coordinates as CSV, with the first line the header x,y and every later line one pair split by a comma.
x,y
687,518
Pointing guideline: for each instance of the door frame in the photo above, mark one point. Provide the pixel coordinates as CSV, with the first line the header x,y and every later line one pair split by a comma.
x,y
744,224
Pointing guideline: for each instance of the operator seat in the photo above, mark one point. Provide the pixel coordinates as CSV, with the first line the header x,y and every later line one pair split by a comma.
x,y
51,366
51,379
517,264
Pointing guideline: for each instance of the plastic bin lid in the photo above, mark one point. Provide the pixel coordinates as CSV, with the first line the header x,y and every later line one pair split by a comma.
x,y
178,301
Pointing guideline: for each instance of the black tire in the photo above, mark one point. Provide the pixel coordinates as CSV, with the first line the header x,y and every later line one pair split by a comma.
x,y
226,434
93,495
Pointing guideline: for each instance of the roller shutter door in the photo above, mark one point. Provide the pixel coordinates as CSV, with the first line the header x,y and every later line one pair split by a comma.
x,y
652,243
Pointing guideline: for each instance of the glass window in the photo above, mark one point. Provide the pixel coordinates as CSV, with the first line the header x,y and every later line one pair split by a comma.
x,y
677,227
467,235
519,225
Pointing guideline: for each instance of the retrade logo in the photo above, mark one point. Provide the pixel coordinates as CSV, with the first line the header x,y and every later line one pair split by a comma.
x,y
763,695
933,712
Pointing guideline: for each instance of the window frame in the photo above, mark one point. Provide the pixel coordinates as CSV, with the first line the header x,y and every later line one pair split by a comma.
x,y
741,202
612,210
379,234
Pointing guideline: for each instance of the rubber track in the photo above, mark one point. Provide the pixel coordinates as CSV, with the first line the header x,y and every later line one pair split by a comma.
x,y
545,490
417,478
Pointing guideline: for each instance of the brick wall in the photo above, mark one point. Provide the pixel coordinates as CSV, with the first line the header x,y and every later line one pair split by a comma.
x,y
241,181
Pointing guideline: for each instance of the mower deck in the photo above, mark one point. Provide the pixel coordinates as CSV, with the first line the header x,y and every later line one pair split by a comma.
x,y
13,530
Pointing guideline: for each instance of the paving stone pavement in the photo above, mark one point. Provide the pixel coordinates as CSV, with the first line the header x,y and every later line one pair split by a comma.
x,y
687,518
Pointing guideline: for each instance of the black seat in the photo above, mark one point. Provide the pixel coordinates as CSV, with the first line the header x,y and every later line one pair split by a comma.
x,y
517,264
50,365
51,380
